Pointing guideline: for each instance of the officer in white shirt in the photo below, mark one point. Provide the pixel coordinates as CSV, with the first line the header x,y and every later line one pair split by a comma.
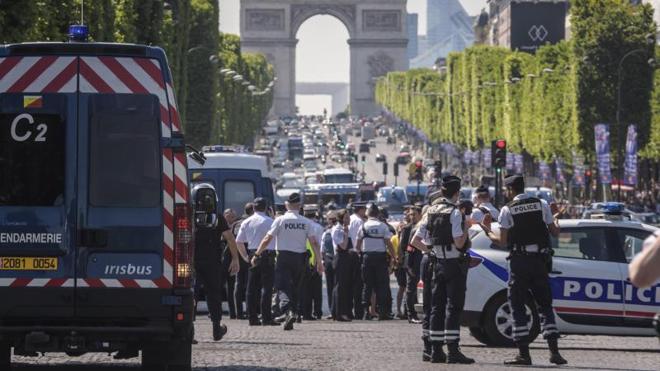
x,y
374,242
291,232
342,294
260,277
483,206
357,220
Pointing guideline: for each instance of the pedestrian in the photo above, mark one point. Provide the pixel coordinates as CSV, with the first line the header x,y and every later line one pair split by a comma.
x,y
210,227
443,231
342,292
356,221
526,224
229,284
412,263
373,242
240,289
291,233
399,274
260,277
483,206
327,250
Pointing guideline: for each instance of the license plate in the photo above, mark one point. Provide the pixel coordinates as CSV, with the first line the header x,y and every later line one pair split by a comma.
x,y
28,264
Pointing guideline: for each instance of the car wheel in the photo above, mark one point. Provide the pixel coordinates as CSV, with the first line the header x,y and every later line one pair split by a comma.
x,y
498,322
480,334
5,356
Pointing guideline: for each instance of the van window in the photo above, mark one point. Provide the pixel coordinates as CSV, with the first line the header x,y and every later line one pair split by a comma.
x,y
236,194
32,150
125,155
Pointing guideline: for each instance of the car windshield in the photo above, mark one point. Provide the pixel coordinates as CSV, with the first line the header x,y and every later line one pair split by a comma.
x,y
390,196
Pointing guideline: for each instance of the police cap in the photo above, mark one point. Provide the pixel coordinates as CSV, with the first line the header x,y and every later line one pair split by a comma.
x,y
514,180
294,198
358,206
260,203
451,183
482,189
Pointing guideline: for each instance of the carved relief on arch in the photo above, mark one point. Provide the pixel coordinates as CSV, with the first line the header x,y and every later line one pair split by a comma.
x,y
344,12
380,63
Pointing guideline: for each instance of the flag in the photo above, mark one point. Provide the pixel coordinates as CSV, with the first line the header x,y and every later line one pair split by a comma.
x,y
33,101
544,171
518,163
578,170
602,133
630,164
487,157
559,168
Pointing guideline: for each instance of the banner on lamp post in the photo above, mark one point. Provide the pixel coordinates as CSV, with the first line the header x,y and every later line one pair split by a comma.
x,y
559,167
630,164
518,163
544,171
602,132
578,170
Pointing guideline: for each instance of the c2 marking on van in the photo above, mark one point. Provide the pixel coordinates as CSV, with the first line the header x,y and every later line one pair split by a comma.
x,y
45,238
41,128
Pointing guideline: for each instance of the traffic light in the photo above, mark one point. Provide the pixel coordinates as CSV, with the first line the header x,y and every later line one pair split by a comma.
x,y
437,169
396,168
498,153
419,175
384,168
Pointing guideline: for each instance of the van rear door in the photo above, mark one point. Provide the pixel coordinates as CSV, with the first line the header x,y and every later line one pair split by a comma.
x,y
126,191
38,109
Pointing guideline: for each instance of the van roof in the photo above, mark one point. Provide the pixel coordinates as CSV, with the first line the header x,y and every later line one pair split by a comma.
x,y
338,171
87,48
229,160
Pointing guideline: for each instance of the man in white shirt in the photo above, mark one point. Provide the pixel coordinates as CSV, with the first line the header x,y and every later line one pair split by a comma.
x,y
342,295
260,277
357,220
483,206
291,232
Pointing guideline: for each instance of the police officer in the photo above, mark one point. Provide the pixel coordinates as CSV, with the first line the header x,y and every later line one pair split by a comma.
x,y
483,206
312,295
260,277
357,219
373,241
526,224
413,259
210,227
443,231
240,289
342,294
291,232
327,250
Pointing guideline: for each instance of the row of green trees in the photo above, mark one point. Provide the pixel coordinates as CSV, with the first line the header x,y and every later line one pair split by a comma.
x,y
188,30
546,104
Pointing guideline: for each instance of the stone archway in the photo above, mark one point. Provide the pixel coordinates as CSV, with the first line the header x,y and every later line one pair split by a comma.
x,y
378,41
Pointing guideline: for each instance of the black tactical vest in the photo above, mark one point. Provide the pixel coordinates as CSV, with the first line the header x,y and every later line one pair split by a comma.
x,y
439,223
528,225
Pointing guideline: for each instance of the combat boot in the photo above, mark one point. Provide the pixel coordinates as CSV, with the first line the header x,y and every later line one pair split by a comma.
x,y
523,358
290,319
555,357
455,355
219,331
426,353
437,354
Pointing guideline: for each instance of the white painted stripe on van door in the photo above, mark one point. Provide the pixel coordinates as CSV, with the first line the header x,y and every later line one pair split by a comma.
x,y
107,75
146,284
17,72
168,271
144,79
71,86
85,86
6,281
49,74
108,282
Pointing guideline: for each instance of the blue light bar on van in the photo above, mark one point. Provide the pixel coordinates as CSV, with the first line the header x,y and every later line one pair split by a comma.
x,y
78,32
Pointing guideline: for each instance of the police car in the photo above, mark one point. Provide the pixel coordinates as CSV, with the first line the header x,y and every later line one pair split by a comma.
x,y
95,230
591,290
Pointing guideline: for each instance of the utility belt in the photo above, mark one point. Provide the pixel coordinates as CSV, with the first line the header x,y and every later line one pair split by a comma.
x,y
530,249
444,252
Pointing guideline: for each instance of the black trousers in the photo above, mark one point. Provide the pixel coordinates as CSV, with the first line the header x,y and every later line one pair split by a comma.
x,y
289,270
356,283
329,279
240,290
447,299
529,272
260,287
210,275
229,284
413,266
313,294
376,278
342,294
426,273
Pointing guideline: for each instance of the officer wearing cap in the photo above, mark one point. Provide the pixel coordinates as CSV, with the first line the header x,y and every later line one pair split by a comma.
x,y
260,277
526,224
443,231
483,206
291,232
373,241
355,271
210,227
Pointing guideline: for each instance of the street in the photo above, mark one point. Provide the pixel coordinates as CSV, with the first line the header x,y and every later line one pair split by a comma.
x,y
361,345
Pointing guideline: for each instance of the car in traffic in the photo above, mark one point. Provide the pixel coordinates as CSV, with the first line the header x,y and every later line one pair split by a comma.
x,y
592,294
394,199
365,148
94,204
381,157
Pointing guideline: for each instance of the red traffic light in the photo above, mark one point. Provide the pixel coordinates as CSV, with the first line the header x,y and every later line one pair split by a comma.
x,y
501,144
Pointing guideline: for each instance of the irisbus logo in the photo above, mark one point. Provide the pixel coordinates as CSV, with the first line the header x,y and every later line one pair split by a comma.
x,y
129,270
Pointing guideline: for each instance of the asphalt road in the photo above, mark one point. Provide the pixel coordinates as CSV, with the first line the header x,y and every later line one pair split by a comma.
x,y
362,345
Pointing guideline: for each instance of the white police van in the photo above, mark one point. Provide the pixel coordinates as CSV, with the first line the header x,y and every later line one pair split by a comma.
x,y
591,290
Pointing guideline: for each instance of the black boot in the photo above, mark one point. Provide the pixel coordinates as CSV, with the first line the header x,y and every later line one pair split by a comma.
x,y
290,319
455,355
555,357
437,354
523,358
219,331
426,353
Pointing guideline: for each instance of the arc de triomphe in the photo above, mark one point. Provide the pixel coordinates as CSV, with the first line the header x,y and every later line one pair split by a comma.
x,y
378,41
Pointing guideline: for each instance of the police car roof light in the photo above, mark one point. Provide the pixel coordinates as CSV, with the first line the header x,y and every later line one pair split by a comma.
x,y
78,33
613,207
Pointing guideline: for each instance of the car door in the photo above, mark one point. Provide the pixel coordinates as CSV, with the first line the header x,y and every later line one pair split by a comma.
x,y
38,110
640,305
586,279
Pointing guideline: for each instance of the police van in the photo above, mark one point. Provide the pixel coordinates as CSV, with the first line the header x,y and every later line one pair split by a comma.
x,y
238,176
95,231
589,280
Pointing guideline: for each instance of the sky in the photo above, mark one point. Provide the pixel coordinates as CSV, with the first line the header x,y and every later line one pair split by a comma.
x,y
322,47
